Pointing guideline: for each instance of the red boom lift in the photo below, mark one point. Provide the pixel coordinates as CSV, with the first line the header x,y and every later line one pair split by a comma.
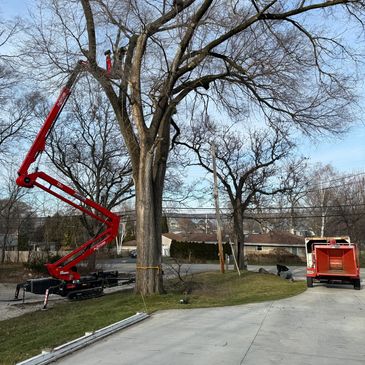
x,y
66,281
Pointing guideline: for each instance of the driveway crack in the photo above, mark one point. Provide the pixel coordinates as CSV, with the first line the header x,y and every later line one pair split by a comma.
x,y
257,332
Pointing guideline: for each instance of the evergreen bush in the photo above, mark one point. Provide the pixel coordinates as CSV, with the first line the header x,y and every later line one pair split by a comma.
x,y
196,251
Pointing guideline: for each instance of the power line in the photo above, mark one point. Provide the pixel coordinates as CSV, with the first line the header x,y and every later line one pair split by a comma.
x,y
328,187
305,216
281,212
312,207
170,210
339,178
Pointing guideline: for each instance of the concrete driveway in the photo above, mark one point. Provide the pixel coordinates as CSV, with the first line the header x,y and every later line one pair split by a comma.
x,y
324,325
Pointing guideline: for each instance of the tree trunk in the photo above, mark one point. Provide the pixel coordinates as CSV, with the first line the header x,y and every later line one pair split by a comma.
x,y
148,231
3,251
323,222
292,224
5,244
93,230
239,236
5,237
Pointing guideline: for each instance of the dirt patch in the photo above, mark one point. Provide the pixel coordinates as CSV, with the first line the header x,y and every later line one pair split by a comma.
x,y
15,273
8,311
10,275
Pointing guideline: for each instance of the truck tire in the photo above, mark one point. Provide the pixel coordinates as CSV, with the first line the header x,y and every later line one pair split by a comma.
x,y
309,282
357,284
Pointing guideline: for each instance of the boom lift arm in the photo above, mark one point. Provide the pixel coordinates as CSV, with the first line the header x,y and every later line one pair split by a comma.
x,y
65,268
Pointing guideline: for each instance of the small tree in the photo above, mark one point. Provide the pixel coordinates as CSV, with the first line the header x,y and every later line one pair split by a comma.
x,y
348,211
245,170
12,212
321,196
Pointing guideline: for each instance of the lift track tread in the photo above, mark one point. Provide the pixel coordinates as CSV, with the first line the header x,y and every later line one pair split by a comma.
x,y
85,293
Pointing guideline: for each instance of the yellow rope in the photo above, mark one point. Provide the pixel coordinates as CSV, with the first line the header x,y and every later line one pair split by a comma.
x,y
148,267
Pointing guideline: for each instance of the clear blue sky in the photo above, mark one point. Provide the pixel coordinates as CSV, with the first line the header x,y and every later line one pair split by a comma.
x,y
10,8
346,154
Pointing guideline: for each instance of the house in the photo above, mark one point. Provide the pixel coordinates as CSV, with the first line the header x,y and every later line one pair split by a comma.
x,y
9,241
167,239
208,238
129,246
258,243
266,242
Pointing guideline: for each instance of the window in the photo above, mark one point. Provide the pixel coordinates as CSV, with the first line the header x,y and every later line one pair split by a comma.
x,y
258,248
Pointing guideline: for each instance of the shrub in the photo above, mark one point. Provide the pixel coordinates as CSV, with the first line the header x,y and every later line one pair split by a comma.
x,y
276,256
37,262
196,251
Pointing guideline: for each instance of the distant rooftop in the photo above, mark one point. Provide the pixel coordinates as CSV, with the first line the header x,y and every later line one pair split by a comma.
x,y
278,237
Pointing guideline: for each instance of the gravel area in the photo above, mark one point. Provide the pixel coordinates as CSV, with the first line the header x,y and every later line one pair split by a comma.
x,y
33,302
10,308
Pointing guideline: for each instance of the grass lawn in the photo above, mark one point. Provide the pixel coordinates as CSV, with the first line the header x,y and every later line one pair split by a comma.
x,y
28,335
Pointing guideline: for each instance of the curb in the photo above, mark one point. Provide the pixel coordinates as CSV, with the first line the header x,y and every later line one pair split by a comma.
x,y
46,357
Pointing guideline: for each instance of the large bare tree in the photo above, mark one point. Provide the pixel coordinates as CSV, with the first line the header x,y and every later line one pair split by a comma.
x,y
268,57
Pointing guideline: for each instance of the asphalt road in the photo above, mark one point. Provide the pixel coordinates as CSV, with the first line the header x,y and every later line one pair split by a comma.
x,y
324,325
129,265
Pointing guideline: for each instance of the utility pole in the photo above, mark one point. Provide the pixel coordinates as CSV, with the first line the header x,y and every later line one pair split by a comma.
x,y
217,213
324,209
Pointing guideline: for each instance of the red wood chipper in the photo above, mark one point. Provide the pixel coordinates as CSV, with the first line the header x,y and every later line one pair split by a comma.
x,y
332,260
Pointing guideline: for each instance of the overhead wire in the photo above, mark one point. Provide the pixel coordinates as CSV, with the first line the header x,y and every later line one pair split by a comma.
x,y
338,178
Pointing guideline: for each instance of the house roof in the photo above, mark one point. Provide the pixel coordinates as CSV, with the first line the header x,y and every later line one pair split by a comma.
x,y
200,237
275,237
173,236
192,237
132,243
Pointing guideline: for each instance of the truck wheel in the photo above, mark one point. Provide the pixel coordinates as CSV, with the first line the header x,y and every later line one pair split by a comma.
x,y
357,284
309,282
